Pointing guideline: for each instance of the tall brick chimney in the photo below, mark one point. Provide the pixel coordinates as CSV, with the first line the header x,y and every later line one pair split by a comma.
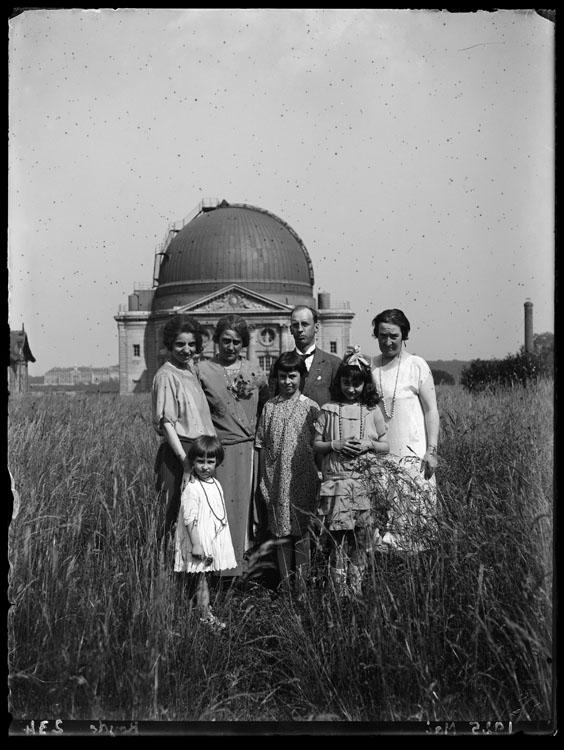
x,y
529,341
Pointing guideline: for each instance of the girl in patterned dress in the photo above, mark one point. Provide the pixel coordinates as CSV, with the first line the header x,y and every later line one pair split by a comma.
x,y
349,427
288,472
203,539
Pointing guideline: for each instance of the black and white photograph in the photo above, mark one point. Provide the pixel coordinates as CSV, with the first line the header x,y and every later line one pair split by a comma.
x,y
280,394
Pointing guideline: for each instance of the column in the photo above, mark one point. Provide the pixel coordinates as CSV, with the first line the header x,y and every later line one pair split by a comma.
x,y
286,340
252,347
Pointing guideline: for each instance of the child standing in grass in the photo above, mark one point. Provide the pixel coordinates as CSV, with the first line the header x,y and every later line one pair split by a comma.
x,y
203,540
288,472
180,413
349,427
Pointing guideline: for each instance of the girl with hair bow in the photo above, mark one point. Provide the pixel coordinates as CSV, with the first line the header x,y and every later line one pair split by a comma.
x,y
349,427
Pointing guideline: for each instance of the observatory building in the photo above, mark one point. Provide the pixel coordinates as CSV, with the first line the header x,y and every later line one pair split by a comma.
x,y
226,258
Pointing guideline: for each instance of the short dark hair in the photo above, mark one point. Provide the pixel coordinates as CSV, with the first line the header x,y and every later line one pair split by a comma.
x,y
235,323
313,312
287,362
393,317
359,373
182,324
206,445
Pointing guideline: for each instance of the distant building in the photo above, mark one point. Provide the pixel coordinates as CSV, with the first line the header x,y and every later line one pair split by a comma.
x,y
226,258
20,355
81,375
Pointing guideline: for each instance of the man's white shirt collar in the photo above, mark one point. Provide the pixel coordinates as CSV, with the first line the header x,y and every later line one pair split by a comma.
x,y
309,350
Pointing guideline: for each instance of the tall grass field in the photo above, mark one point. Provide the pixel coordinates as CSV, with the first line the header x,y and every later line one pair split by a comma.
x,y
100,628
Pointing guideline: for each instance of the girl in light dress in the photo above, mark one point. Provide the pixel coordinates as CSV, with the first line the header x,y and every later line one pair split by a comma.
x,y
349,433
289,478
203,540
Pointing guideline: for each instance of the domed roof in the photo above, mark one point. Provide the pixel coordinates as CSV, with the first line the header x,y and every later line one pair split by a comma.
x,y
234,244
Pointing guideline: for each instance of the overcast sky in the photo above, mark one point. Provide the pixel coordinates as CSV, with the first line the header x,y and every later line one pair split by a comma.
x,y
412,152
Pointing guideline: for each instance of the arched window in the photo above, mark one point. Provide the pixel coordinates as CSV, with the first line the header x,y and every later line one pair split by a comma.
x,y
267,336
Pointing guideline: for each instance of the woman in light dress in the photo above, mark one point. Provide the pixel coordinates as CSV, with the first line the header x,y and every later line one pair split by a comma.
x,y
180,414
409,405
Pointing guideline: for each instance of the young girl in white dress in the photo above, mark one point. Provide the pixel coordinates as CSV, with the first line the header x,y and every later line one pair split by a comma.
x,y
203,540
349,431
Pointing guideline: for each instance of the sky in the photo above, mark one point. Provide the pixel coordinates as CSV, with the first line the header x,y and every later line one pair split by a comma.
x,y
411,150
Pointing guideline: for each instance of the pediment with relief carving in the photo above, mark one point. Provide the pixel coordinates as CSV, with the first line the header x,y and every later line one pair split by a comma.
x,y
235,299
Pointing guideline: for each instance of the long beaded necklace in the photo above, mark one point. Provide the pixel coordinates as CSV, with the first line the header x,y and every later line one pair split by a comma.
x,y
395,388
341,421
273,455
222,521
231,377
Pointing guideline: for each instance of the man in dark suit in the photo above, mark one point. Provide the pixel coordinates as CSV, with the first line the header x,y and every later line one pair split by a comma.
x,y
321,365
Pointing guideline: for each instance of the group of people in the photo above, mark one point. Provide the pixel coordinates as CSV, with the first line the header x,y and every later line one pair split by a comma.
x,y
245,456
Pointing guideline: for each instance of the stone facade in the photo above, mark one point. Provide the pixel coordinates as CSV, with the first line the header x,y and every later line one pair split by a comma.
x,y
81,375
140,332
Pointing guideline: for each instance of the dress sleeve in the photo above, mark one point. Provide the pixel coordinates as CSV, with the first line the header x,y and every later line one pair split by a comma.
x,y
320,423
259,437
196,370
376,425
423,372
190,502
164,401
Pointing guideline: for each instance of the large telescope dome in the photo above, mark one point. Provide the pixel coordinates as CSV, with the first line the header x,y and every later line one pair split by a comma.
x,y
234,244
